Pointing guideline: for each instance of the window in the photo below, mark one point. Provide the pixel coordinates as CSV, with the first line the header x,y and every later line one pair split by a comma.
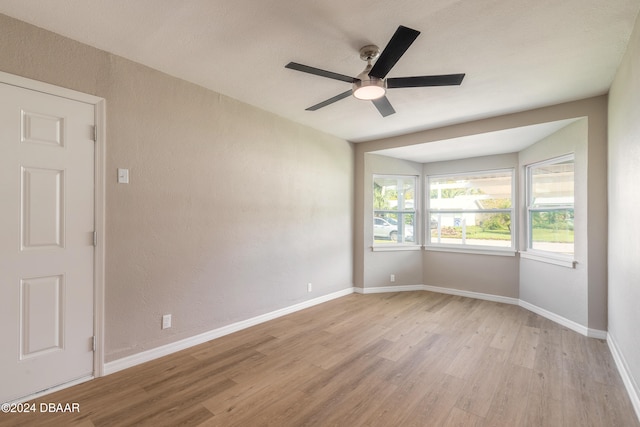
x,y
394,209
471,210
550,188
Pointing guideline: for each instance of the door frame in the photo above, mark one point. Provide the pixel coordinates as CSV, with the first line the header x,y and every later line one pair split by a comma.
x,y
99,203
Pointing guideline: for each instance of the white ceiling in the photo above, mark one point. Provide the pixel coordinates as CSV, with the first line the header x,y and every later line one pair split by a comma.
x,y
484,144
517,54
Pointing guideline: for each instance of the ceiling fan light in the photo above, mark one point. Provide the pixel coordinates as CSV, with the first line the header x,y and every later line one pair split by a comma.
x,y
369,89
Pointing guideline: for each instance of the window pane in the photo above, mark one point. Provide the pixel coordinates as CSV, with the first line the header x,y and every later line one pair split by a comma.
x,y
552,231
471,229
465,192
394,193
550,206
472,209
394,209
393,227
552,185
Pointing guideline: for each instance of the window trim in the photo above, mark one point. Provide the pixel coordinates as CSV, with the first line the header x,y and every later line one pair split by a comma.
x,y
475,249
540,256
549,257
395,246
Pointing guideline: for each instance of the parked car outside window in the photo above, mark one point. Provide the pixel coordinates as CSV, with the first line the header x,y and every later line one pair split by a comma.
x,y
387,228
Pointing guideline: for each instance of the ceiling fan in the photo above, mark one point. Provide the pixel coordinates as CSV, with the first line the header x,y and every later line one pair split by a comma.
x,y
371,84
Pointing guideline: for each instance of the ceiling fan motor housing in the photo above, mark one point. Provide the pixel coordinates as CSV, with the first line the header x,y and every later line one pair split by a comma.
x,y
367,87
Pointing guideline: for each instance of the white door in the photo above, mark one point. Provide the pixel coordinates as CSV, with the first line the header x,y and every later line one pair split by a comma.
x,y
46,241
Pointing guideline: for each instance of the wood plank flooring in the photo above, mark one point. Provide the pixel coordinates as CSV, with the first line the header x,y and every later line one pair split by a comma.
x,y
397,359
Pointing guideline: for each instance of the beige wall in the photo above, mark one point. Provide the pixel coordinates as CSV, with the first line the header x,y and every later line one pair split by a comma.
x,y
230,212
581,295
405,265
578,294
624,215
488,274
560,290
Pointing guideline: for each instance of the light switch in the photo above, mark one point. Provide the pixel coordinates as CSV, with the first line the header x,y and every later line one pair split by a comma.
x,y
123,176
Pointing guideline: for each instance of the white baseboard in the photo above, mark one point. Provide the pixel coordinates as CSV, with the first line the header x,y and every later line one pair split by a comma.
x,y
574,326
437,289
632,387
385,289
146,356
470,294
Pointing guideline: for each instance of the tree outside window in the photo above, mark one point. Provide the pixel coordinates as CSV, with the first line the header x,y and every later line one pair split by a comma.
x,y
394,209
471,209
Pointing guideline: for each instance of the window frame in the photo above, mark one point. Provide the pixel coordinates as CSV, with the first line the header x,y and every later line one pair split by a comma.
x,y
394,246
566,260
466,248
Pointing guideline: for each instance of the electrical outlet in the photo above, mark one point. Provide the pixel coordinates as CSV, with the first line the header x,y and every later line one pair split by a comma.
x,y
166,321
309,287
392,278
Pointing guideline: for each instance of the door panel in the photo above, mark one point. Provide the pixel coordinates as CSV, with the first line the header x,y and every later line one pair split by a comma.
x,y
46,253
42,202
42,129
41,315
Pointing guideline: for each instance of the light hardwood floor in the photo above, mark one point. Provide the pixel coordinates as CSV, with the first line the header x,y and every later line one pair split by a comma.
x,y
397,359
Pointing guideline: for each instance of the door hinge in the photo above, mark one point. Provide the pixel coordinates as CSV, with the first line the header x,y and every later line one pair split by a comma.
x,y
93,343
95,238
95,133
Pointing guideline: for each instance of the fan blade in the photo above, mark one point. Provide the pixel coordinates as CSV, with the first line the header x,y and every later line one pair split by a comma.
x,y
384,106
330,101
422,81
319,72
396,47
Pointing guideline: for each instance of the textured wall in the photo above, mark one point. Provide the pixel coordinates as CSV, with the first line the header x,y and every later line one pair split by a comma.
x,y
405,265
624,202
561,290
230,212
496,275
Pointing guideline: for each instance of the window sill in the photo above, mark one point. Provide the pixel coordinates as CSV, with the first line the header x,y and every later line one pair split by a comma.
x,y
561,261
391,248
475,251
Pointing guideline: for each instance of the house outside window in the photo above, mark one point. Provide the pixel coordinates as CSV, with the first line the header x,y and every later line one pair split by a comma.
x,y
550,207
394,210
471,211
